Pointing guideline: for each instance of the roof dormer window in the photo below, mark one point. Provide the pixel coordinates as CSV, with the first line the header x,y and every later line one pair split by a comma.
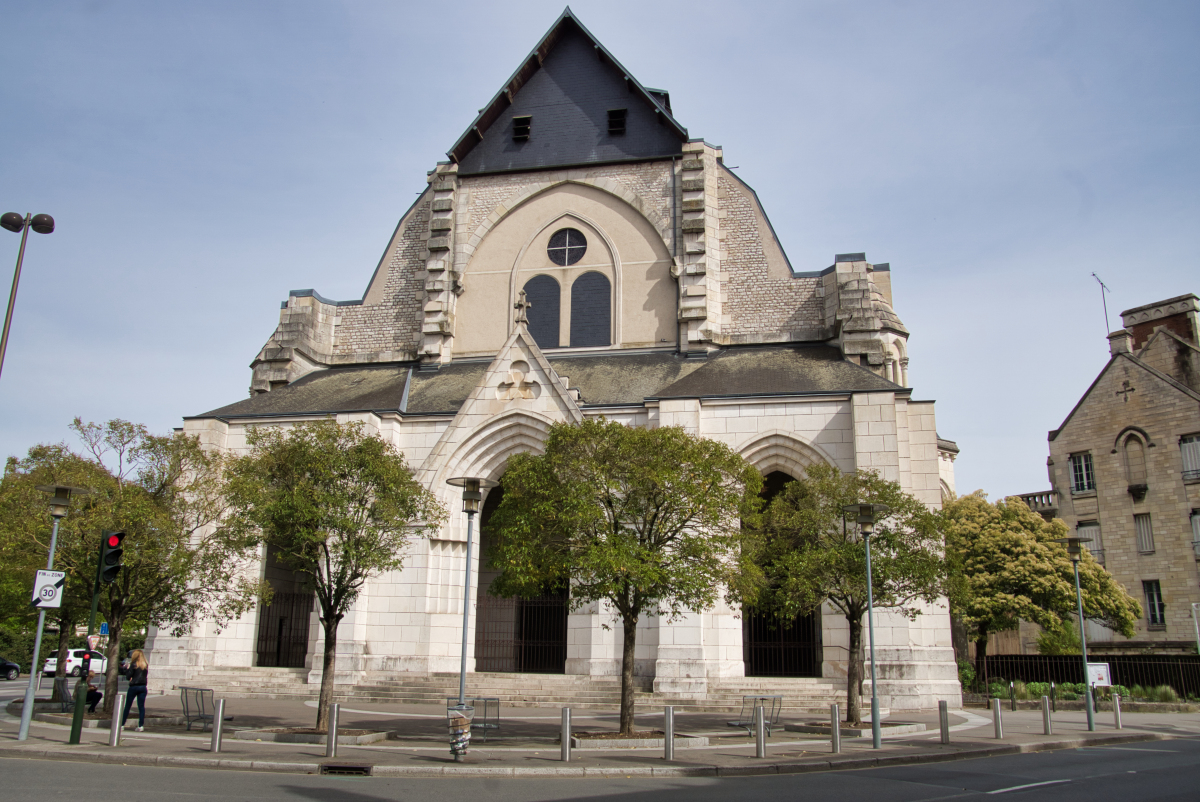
x,y
616,122
521,126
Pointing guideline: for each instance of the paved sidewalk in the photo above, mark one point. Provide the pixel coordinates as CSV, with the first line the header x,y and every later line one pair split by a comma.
x,y
526,744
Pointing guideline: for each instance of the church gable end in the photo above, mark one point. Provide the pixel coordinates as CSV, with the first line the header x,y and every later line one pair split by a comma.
x,y
572,104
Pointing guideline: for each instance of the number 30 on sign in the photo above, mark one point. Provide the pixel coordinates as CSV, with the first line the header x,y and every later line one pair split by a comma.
x,y
48,588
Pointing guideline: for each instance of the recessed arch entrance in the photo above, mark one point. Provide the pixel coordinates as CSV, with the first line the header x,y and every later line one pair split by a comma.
x,y
774,646
514,634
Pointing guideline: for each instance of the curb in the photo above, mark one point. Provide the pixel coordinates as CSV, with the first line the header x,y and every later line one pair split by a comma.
x,y
846,764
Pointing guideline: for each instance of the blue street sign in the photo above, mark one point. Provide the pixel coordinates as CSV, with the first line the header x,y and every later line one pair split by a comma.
x,y
104,628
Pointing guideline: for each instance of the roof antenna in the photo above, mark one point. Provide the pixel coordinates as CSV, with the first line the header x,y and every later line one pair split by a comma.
x,y
1103,289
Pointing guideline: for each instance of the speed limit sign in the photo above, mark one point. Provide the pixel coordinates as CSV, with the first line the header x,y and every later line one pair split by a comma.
x,y
48,588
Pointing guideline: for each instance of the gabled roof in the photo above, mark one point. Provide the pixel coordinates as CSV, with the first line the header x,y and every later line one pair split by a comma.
x,y
654,102
1158,374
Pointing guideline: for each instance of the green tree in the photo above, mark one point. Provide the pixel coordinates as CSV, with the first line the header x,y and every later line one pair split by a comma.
x,y
1061,640
166,494
646,520
809,555
1006,568
338,505
25,533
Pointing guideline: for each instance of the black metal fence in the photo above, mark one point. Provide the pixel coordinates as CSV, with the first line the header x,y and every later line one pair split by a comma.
x,y
778,647
283,630
1181,672
522,635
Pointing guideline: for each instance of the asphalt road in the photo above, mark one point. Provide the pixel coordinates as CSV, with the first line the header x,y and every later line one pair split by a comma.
x,y
1161,770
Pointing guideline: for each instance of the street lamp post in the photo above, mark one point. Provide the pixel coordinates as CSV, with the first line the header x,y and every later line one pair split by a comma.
x,y
59,503
866,515
1075,553
472,494
42,224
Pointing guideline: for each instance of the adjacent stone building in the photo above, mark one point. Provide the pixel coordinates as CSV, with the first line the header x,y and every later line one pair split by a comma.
x,y
656,293
1125,471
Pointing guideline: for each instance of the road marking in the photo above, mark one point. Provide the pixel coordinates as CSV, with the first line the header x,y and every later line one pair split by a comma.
x,y
1027,785
1136,749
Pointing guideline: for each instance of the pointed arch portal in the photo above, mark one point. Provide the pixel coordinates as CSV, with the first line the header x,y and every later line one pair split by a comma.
x,y
773,646
514,634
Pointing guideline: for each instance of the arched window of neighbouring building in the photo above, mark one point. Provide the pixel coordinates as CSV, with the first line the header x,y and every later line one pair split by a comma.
x,y
542,292
591,311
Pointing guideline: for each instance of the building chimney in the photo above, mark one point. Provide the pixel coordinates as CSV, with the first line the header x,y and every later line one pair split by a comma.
x,y
1120,342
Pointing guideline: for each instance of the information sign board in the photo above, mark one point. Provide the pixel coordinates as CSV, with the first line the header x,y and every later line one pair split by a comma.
x,y
1098,674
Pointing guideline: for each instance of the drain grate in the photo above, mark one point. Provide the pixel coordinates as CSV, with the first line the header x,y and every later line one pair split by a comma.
x,y
346,769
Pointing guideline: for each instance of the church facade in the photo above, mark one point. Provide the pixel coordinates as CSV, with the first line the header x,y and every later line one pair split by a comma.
x,y
654,292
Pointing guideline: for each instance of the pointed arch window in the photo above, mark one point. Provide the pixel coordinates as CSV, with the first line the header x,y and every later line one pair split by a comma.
x,y
591,311
543,294
1135,460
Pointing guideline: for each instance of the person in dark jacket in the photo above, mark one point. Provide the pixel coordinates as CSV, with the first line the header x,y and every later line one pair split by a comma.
x,y
93,692
139,671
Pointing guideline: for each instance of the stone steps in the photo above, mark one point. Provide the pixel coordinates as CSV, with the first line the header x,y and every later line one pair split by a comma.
x,y
520,690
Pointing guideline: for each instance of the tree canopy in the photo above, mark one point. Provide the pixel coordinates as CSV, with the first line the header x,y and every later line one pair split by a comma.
x,y
645,520
1006,567
165,492
810,554
337,504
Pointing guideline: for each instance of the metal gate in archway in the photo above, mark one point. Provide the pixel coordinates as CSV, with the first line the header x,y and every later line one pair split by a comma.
x,y
522,635
283,630
781,647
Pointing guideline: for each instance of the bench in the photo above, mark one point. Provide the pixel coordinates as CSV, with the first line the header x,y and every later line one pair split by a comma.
x,y
63,686
771,705
487,712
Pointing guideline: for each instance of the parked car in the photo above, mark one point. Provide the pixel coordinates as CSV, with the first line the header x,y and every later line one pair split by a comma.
x,y
75,662
9,669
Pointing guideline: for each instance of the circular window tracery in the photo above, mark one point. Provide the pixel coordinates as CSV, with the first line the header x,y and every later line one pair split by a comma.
x,y
567,246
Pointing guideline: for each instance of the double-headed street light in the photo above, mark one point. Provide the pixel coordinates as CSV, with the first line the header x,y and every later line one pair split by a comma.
x,y
472,494
865,516
1075,553
60,502
42,224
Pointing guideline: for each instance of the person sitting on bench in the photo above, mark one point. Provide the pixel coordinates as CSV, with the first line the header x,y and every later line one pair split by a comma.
x,y
93,693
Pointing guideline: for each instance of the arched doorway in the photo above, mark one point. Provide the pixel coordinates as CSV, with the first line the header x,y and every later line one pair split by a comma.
x,y
283,624
773,646
514,634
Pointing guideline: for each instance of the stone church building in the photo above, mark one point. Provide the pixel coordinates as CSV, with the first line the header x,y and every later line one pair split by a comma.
x,y
656,294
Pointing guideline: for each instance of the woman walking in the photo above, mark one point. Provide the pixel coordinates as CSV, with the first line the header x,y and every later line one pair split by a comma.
x,y
139,671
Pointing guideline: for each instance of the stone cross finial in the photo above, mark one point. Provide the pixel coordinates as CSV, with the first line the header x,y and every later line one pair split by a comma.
x,y
521,305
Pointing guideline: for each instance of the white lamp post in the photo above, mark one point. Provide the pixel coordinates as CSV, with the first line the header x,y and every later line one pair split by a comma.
x,y
472,494
1074,551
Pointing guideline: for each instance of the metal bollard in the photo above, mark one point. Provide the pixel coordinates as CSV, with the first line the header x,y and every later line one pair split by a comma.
x,y
114,734
566,735
1047,725
331,732
1117,710
218,719
668,733
760,732
1012,695
835,729
996,719
944,720
1053,697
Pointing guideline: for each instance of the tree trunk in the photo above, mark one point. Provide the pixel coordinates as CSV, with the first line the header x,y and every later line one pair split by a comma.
x,y
111,674
981,658
854,673
628,648
64,642
328,666
959,637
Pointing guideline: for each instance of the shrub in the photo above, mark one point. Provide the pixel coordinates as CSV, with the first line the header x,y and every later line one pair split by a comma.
x,y
1036,690
966,674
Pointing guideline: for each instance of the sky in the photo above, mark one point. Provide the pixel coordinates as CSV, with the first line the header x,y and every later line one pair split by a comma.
x,y
203,159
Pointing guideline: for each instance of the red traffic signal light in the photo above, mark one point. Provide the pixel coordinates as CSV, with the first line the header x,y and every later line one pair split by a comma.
x,y
110,556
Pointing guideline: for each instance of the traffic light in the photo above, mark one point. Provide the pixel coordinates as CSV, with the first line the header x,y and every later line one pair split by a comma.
x,y
110,556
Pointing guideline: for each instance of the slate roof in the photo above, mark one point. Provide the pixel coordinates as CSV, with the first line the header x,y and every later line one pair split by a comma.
x,y
604,379
567,84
